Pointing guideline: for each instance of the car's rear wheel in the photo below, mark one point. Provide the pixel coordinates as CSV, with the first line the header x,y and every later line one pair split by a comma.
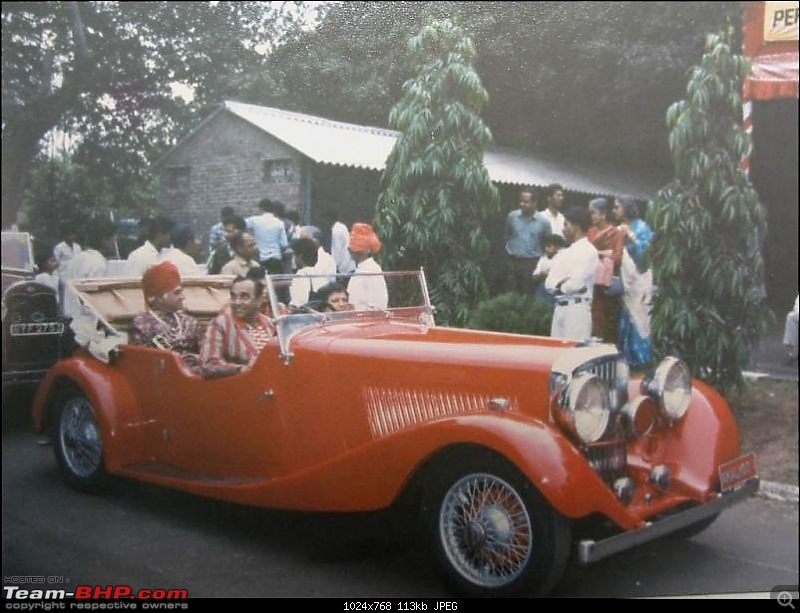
x,y
493,532
78,443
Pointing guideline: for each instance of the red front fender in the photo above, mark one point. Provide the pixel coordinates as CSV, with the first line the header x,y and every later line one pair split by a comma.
x,y
112,398
372,476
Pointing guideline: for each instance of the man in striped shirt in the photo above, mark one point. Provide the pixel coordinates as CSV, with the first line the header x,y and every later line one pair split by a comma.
x,y
235,336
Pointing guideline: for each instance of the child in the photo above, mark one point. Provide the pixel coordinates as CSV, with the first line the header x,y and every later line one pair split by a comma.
x,y
552,244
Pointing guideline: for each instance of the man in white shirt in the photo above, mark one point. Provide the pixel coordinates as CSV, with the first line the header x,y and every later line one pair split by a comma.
x,y
89,263
367,288
270,235
66,250
305,252
185,248
339,240
554,200
326,265
148,254
571,279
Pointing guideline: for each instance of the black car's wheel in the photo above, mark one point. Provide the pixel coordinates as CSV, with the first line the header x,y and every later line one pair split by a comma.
x,y
78,443
493,532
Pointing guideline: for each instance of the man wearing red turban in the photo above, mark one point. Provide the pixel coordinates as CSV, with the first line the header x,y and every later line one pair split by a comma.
x,y
367,287
164,325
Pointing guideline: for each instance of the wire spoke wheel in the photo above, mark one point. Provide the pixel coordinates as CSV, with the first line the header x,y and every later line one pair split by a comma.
x,y
491,530
79,444
486,530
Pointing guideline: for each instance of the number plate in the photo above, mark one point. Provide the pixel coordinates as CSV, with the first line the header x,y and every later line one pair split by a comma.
x,y
736,472
46,328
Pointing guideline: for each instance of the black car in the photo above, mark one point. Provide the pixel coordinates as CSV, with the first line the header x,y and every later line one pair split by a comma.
x,y
35,334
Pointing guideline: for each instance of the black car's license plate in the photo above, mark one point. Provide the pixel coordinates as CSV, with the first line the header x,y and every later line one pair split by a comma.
x,y
736,472
49,327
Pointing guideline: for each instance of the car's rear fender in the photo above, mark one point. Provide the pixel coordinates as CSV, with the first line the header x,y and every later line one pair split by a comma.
x,y
111,397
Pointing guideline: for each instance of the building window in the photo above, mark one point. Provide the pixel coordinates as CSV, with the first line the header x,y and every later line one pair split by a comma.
x,y
278,171
177,177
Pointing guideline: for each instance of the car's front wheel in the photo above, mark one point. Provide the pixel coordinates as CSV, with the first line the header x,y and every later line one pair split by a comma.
x,y
493,532
79,444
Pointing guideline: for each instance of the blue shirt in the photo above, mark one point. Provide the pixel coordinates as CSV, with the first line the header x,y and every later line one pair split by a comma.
x,y
270,235
524,234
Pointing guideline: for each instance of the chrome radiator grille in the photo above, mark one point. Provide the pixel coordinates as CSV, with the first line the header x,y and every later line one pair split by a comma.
x,y
609,460
606,370
609,457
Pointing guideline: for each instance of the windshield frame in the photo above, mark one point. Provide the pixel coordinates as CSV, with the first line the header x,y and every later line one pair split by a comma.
x,y
289,324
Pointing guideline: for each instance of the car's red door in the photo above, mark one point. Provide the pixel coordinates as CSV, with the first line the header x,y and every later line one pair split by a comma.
x,y
229,427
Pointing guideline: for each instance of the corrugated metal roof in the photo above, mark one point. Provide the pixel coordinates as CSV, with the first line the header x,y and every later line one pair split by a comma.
x,y
345,144
510,166
320,139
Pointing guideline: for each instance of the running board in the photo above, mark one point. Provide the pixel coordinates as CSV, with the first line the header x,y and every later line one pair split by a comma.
x,y
165,471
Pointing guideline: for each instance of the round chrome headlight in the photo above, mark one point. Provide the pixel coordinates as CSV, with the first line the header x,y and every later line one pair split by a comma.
x,y
671,388
588,407
639,417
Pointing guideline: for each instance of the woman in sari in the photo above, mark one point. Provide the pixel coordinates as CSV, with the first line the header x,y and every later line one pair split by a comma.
x,y
608,241
633,335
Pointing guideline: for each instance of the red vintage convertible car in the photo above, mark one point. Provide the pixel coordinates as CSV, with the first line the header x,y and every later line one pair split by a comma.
x,y
505,445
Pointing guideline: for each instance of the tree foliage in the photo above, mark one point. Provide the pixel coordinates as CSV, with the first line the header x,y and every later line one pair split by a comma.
x,y
573,79
63,196
104,71
436,191
710,225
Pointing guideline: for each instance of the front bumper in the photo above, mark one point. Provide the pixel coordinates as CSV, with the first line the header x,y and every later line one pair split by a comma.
x,y
590,551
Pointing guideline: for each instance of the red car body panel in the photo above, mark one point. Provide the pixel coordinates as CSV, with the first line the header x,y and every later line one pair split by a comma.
x,y
361,407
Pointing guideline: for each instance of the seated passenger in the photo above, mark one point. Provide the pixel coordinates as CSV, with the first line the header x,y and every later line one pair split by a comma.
x,y
238,333
367,290
333,298
164,325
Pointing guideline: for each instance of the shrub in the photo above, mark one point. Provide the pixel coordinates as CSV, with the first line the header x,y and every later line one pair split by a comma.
x,y
513,312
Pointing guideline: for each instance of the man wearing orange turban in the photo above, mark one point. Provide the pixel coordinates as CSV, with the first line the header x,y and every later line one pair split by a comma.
x,y
367,287
164,325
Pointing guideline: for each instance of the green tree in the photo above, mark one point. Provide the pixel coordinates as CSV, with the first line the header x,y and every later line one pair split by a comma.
x,y
709,228
571,79
436,191
105,71
61,196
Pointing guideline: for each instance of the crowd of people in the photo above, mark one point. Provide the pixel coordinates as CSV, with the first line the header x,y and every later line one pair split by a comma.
x,y
248,249
590,263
